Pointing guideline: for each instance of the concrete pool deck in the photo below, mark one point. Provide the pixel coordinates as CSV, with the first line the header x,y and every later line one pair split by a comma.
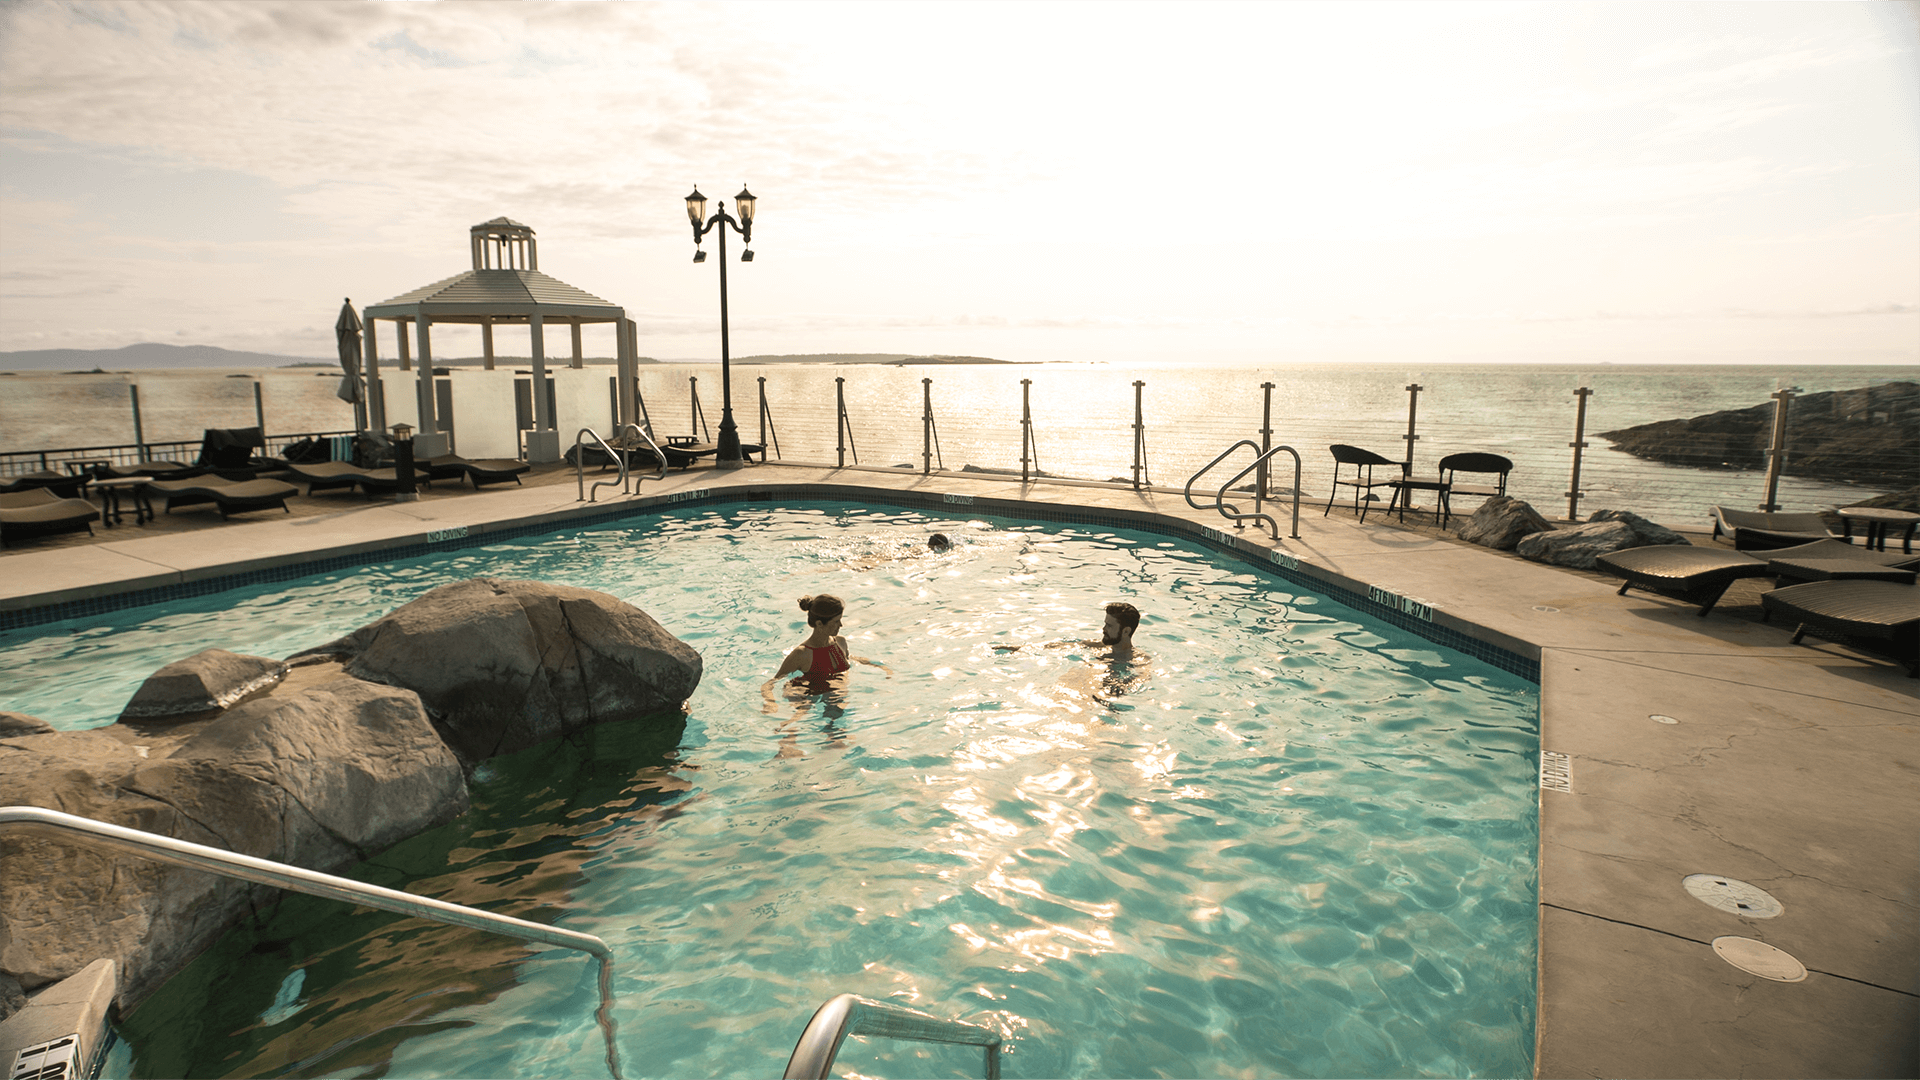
x,y
1790,767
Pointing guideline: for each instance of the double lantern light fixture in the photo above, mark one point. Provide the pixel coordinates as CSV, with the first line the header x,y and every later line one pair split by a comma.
x,y
697,213
728,456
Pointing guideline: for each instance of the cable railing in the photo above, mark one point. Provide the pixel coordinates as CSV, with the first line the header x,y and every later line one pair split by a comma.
x,y
850,1014
75,458
166,849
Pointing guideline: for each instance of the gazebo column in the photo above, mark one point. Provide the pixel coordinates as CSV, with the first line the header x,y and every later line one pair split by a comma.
x,y
406,358
428,441
543,442
577,363
376,391
486,341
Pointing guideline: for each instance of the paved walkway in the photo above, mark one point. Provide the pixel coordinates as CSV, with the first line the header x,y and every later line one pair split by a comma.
x,y
1693,746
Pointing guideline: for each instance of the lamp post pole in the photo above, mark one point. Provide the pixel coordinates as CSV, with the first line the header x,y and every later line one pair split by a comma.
x,y
728,455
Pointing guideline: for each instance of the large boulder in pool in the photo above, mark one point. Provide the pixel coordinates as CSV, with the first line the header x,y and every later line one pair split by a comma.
x,y
503,665
209,680
321,772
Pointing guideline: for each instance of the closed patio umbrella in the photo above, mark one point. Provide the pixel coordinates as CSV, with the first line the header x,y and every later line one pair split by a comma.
x,y
347,330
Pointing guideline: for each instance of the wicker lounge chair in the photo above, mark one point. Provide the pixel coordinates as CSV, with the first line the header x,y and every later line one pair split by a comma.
x,y
63,485
1833,560
1863,609
490,471
231,496
172,469
344,474
37,511
1754,530
1698,575
1363,482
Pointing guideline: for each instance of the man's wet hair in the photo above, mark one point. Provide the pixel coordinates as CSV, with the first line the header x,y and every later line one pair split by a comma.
x,y
1127,615
939,542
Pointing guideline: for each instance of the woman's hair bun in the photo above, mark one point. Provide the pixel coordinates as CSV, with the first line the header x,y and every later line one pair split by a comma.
x,y
806,603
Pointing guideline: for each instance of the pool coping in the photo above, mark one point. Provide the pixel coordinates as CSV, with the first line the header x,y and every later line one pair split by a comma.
x,y
1789,767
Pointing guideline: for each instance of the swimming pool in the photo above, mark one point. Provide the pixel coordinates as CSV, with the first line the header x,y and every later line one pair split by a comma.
x,y
1304,846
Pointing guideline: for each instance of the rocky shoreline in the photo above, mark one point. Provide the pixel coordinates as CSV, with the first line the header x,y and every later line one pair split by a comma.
x,y
1869,436
320,761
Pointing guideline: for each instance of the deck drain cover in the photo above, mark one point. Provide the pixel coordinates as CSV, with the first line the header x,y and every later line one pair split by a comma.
x,y
1760,958
1543,607
1732,896
1660,718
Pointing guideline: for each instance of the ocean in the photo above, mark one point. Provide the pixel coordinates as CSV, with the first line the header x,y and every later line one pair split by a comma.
x,y
1082,417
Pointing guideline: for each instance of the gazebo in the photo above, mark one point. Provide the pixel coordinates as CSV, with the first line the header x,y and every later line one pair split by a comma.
x,y
505,287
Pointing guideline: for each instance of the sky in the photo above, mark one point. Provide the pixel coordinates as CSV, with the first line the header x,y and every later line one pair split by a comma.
x,y
1254,183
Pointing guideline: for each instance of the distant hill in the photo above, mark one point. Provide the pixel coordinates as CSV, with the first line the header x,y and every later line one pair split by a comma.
x,y
864,358
147,355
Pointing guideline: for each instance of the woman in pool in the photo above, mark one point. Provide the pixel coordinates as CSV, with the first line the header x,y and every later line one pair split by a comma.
x,y
824,652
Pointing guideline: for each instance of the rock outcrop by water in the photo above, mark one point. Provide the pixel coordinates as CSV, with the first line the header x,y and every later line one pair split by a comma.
x,y
1868,436
1605,531
342,759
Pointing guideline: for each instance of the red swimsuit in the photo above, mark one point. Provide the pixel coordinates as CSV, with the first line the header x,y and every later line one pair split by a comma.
x,y
827,660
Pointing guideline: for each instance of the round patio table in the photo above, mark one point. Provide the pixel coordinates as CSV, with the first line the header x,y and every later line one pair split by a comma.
x,y
1880,521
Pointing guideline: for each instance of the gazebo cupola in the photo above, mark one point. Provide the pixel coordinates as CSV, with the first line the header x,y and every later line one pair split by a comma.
x,y
504,288
504,244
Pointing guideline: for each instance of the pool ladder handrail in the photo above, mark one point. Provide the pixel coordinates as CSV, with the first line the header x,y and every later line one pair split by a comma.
x,y
298,879
851,1014
580,461
1232,512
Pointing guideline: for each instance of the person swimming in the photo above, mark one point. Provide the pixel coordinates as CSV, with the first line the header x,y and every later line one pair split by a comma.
x,y
824,652
1116,636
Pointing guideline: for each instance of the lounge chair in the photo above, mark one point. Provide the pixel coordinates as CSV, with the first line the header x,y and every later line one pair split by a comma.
x,y
489,471
683,451
231,496
63,485
229,453
1755,530
1698,575
1833,560
1864,609
1362,483
37,511
344,474
160,469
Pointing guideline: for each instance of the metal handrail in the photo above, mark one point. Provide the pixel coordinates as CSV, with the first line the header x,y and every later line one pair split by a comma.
x,y
231,864
659,455
580,466
1232,512
850,1014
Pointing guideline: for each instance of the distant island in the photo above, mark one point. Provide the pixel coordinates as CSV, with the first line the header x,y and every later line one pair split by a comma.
x,y
896,359
152,356
1866,436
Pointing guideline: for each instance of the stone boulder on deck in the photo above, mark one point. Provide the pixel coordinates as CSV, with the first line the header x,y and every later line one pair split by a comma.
x,y
502,665
1501,522
1606,531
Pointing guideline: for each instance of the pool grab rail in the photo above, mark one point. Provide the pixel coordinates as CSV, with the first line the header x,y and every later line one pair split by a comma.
x,y
850,1014
580,461
231,864
1232,512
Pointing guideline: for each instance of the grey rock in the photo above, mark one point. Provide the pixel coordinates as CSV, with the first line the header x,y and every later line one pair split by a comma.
x,y
1609,531
318,776
12,997
19,723
502,665
1501,522
207,680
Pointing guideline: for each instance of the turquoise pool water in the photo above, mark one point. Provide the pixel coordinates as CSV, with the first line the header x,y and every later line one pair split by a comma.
x,y
1292,843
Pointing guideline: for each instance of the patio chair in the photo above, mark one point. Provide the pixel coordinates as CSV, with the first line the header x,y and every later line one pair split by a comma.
x,y
1835,560
1474,464
1862,609
63,485
683,451
1698,575
1363,482
37,511
489,471
229,452
231,496
1755,530
344,474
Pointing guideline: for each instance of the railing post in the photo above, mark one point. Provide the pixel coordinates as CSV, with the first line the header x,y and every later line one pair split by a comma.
x,y
1413,411
260,408
1579,443
698,420
766,423
139,434
926,427
1266,439
1777,446
1139,435
843,426
1026,428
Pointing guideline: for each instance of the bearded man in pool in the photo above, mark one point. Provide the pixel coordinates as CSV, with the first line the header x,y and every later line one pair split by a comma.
x,y
1116,635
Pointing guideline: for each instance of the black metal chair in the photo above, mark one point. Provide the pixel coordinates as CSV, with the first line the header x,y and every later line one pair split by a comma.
x,y
1363,482
1474,464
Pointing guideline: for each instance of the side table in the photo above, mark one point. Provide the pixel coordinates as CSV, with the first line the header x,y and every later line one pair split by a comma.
x,y
1879,522
110,491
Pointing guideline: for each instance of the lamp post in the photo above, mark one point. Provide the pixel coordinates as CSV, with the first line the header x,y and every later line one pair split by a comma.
x,y
728,456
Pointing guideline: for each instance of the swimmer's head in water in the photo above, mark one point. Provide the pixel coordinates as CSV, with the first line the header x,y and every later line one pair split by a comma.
x,y
822,608
1122,620
939,542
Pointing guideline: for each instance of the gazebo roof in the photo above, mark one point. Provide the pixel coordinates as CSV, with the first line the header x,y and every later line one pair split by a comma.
x,y
498,296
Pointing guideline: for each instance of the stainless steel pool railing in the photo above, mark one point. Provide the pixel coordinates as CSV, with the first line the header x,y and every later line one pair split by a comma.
x,y
231,864
1232,512
580,461
850,1014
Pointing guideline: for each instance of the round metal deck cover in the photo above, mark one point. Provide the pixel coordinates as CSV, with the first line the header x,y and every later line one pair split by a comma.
x,y
1760,958
1733,896
1662,718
